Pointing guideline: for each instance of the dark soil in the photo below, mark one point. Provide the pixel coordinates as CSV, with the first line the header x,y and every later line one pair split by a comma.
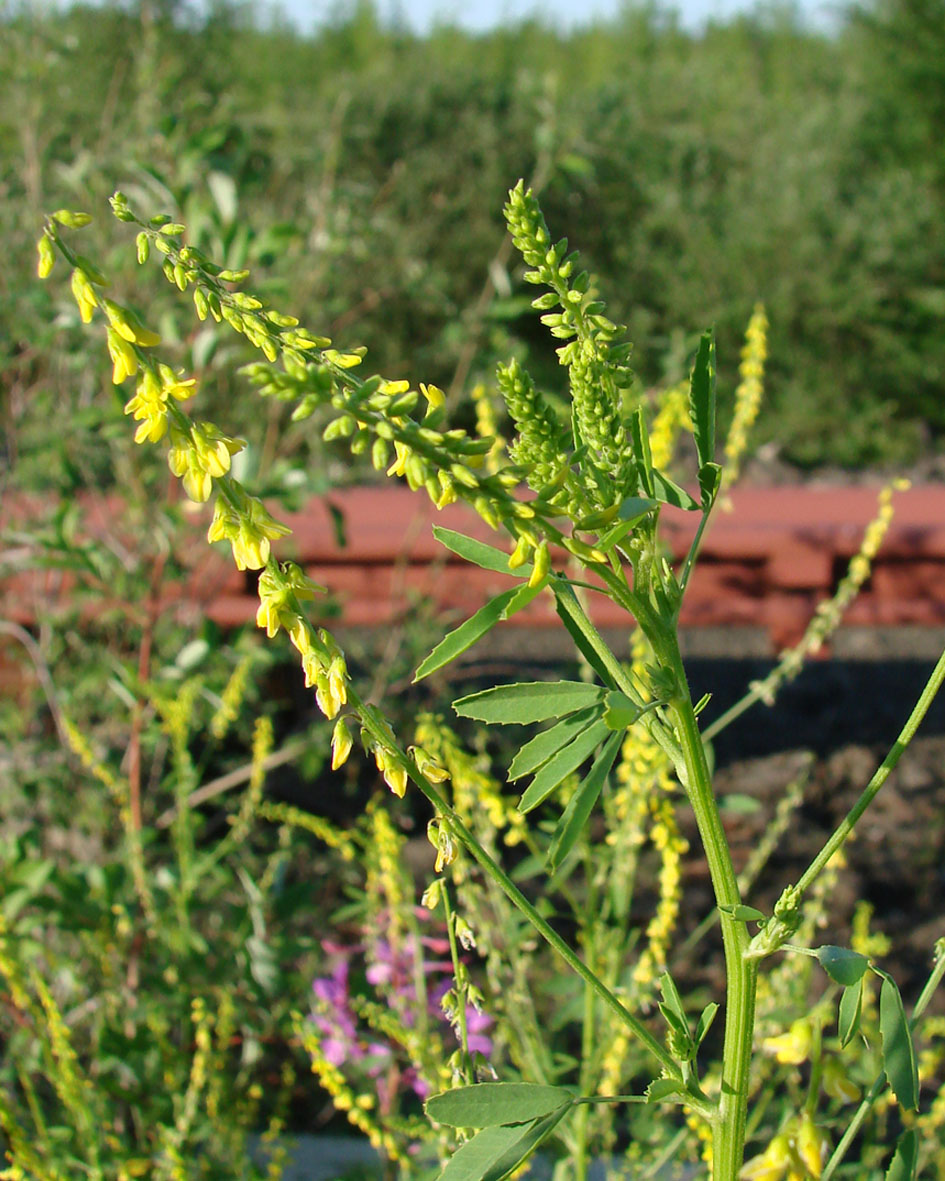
x,y
845,715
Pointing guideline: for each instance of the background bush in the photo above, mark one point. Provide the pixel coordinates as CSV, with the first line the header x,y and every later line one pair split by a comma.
x,y
699,172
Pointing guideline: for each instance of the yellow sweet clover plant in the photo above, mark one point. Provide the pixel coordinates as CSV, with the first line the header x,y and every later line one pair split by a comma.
x,y
579,503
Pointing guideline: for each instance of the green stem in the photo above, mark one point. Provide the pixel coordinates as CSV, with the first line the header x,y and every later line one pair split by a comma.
x,y
459,979
494,871
847,825
693,550
587,1043
741,974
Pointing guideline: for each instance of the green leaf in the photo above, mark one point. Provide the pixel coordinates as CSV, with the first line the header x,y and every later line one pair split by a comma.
x,y
904,1163
561,765
673,999
567,608
640,438
663,1088
487,557
702,399
458,641
635,508
620,712
489,1105
705,1022
710,481
540,749
527,701
669,492
581,804
494,1152
631,513
842,965
744,914
738,804
848,1016
899,1060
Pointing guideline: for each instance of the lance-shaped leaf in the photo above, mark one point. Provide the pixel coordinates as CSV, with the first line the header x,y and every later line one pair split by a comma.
x,y
527,701
456,642
478,552
903,1165
850,1011
540,749
630,514
670,492
702,399
493,1153
842,965
572,617
706,1018
561,765
710,481
581,804
899,1061
489,1105
640,439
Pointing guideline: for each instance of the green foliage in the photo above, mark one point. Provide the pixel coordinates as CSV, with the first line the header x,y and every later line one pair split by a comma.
x,y
697,171
593,1055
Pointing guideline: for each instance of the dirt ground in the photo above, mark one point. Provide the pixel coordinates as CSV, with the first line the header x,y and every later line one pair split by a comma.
x,y
840,719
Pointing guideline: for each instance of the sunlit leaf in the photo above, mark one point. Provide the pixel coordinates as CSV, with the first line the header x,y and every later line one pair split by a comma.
x,y
456,642
899,1059
561,765
488,1105
527,701
487,557
581,804
493,1153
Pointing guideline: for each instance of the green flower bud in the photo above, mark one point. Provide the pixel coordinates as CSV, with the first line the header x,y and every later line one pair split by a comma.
x,y
71,218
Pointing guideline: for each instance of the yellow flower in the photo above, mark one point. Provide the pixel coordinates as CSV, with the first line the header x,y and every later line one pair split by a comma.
x,y
84,294
813,1146
791,1048
201,456
773,1163
837,1083
149,408
395,776
341,743
124,358
128,326
248,528
428,766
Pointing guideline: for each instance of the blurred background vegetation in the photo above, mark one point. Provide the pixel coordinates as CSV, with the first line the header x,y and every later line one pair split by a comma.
x,y
361,173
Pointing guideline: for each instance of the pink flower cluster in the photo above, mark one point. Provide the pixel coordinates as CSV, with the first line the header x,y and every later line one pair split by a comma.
x,y
390,976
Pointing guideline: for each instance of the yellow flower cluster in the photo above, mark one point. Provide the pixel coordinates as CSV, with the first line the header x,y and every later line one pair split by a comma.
x,y
747,395
386,873
232,697
335,838
487,427
357,1108
246,524
671,418
151,406
672,847
200,455
829,614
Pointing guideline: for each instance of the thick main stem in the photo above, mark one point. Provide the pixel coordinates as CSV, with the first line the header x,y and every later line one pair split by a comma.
x,y
728,1133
